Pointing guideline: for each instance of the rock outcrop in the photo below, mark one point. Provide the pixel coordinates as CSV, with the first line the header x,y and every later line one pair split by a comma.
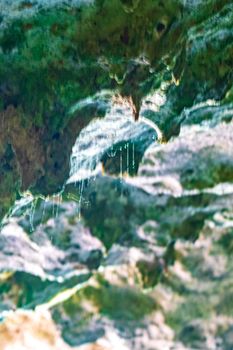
x,y
55,54
142,263
124,239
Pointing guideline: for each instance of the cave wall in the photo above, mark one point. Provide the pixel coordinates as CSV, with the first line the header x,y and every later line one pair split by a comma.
x,y
54,54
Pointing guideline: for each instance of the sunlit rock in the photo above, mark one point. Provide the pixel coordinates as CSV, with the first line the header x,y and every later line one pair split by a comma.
x,y
30,330
199,159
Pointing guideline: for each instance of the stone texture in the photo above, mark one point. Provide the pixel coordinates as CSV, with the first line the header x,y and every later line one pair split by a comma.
x,y
47,66
135,257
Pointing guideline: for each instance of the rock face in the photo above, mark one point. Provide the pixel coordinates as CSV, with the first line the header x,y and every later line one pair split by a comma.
x,y
54,54
134,263
48,54
124,241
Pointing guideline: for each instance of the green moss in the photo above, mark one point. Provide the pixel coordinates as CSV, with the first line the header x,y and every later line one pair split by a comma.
x,y
226,242
9,183
196,306
120,303
225,306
